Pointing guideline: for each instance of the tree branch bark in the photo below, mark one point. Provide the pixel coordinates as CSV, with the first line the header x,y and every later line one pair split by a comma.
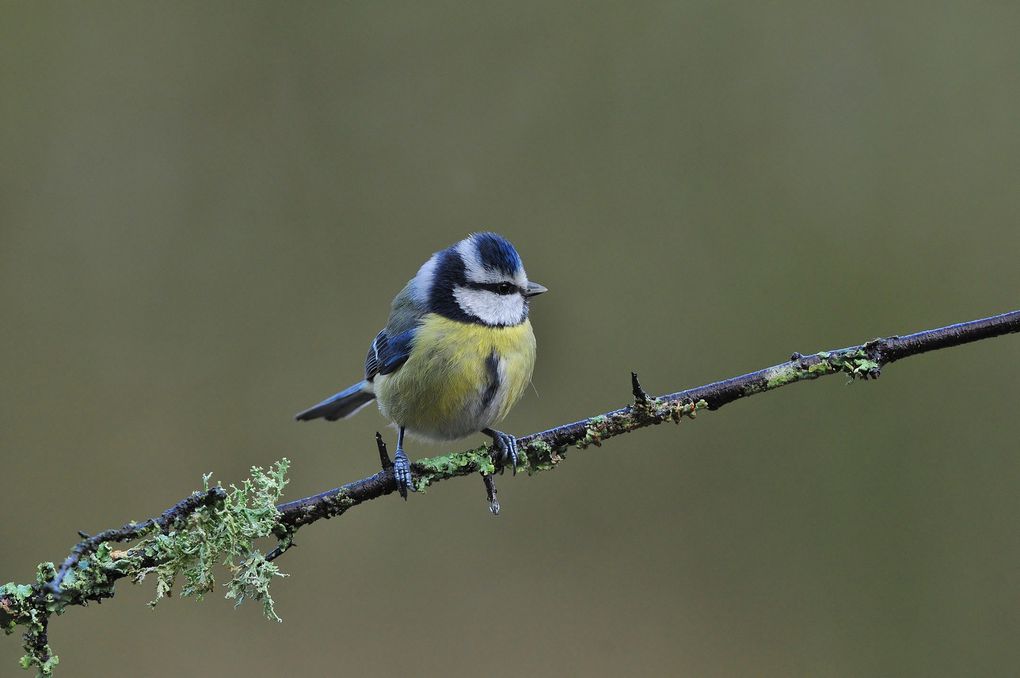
x,y
31,605
545,449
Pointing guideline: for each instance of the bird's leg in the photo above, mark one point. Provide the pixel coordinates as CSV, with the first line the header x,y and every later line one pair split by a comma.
x,y
402,468
504,447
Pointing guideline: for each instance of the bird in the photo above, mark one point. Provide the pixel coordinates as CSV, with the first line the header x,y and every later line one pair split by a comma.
x,y
456,354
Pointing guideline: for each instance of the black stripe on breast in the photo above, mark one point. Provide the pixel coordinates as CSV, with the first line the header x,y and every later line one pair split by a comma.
x,y
492,368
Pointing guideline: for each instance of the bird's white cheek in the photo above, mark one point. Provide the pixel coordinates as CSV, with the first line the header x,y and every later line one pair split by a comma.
x,y
491,308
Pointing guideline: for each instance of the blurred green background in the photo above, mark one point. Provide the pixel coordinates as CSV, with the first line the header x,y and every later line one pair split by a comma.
x,y
206,209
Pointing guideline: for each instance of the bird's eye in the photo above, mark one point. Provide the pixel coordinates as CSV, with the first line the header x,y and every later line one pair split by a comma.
x,y
505,288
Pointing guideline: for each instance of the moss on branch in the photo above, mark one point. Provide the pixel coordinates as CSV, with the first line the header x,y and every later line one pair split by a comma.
x,y
222,533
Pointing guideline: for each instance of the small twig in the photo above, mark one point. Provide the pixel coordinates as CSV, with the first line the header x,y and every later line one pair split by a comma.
x,y
384,455
37,643
490,493
281,548
133,530
640,397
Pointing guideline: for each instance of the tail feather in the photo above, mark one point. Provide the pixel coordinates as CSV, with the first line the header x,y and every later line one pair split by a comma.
x,y
340,406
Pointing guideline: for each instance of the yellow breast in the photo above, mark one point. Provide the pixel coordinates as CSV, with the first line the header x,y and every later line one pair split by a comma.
x,y
445,390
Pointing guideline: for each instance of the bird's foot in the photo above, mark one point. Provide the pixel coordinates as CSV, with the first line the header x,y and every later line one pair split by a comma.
x,y
504,448
402,474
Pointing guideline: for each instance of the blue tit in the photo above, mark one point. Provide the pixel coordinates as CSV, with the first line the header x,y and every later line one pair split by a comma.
x,y
456,354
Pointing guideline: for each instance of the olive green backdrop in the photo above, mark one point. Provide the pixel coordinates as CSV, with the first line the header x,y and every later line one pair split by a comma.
x,y
205,210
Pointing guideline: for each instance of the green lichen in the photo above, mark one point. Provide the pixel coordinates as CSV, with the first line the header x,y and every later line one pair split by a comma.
x,y
678,410
221,534
45,572
14,599
95,575
44,666
651,411
593,432
38,607
863,368
541,448
787,374
855,363
24,604
38,653
433,469
542,456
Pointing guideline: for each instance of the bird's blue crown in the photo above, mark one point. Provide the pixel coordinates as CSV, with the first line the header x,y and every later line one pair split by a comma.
x,y
496,252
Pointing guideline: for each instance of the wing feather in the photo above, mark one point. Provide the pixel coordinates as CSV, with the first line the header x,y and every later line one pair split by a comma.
x,y
387,354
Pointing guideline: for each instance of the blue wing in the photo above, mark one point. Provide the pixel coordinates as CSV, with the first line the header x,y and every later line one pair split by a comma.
x,y
388,353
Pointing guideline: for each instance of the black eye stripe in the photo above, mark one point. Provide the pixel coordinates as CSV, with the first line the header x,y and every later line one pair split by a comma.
x,y
499,288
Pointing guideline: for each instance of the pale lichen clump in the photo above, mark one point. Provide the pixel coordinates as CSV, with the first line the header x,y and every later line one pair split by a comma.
x,y
594,430
542,456
221,534
644,412
856,363
434,469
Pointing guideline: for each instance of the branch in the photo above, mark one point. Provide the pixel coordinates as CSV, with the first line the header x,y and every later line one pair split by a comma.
x,y
544,450
93,566
172,516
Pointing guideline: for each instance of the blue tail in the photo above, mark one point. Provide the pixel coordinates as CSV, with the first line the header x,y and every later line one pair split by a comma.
x,y
342,405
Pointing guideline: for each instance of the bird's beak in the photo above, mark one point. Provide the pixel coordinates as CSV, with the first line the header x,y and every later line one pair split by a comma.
x,y
534,289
